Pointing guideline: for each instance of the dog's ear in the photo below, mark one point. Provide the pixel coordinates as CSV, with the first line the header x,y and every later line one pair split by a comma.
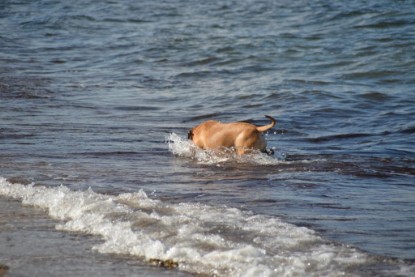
x,y
190,135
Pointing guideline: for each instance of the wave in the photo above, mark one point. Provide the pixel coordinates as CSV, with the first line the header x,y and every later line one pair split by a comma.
x,y
203,239
338,137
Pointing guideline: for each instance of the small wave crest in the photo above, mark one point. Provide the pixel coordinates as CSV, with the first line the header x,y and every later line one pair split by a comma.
x,y
203,239
185,148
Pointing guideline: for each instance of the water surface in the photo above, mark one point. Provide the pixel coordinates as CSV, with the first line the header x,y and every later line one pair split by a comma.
x,y
101,96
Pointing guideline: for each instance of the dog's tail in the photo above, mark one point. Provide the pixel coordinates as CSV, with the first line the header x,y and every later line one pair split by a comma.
x,y
267,127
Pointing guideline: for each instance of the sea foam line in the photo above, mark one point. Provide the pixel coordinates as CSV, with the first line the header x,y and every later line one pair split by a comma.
x,y
219,241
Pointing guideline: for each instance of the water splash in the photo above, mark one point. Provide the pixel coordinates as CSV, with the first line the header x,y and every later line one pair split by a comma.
x,y
186,148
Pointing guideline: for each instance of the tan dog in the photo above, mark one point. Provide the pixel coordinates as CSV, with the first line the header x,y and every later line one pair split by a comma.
x,y
241,136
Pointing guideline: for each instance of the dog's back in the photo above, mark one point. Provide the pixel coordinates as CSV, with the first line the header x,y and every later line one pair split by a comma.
x,y
240,135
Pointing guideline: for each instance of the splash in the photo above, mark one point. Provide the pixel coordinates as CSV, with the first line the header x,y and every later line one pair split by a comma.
x,y
186,148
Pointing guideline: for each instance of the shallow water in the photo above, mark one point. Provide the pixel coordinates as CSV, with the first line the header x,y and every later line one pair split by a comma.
x,y
101,96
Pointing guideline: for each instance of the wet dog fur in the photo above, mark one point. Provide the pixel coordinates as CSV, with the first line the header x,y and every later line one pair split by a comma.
x,y
241,136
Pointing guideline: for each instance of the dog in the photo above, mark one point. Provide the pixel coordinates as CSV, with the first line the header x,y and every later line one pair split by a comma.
x,y
242,136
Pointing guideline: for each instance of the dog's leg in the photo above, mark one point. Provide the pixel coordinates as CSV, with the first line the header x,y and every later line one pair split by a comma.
x,y
245,142
241,151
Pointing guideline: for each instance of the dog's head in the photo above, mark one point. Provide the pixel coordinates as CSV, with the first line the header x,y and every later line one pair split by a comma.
x,y
190,134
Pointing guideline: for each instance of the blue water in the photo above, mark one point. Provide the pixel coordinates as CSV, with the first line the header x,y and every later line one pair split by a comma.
x,y
91,90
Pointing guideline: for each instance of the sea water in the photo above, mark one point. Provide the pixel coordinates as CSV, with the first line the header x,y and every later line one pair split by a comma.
x,y
97,174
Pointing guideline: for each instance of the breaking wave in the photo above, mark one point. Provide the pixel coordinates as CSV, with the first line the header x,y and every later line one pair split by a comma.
x,y
214,240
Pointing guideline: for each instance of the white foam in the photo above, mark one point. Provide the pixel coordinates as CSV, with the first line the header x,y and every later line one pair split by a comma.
x,y
205,239
186,148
